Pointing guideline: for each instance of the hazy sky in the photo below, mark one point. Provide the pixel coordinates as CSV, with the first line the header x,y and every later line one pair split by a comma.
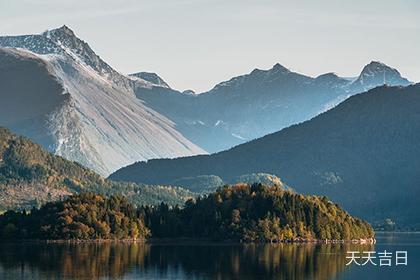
x,y
196,44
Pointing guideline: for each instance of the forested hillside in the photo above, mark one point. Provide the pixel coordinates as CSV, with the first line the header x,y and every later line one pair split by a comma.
x,y
85,216
30,176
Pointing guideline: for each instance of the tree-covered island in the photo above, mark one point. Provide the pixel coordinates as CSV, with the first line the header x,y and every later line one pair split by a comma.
x,y
239,213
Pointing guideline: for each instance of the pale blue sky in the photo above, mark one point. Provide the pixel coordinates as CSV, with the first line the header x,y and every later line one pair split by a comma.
x,y
196,44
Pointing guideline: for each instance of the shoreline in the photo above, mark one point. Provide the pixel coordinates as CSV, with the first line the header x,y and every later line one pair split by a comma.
x,y
189,241
404,231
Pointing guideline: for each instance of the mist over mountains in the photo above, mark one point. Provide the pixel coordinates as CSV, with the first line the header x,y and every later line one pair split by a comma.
x,y
363,154
259,103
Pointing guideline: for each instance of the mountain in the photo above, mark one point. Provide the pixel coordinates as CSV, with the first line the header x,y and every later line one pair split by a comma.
x,y
79,107
261,102
30,177
171,122
63,41
362,154
55,90
152,78
377,73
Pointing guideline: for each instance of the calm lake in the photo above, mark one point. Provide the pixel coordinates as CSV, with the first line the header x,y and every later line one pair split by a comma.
x,y
145,261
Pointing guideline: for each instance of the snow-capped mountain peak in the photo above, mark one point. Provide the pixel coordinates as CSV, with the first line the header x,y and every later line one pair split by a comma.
x,y
78,49
152,78
379,73
63,41
63,30
376,67
60,93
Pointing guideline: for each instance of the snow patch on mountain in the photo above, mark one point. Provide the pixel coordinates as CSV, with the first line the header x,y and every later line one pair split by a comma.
x,y
100,123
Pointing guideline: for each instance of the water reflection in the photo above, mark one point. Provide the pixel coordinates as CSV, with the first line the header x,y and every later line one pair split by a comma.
x,y
135,260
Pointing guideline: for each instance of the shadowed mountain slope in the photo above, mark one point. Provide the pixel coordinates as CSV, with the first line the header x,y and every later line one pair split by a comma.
x,y
261,102
363,154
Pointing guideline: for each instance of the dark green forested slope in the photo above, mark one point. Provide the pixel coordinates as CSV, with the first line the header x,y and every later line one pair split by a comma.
x,y
240,212
256,213
84,216
30,176
364,154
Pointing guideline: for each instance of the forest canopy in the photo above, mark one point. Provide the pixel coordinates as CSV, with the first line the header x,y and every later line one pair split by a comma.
x,y
253,213
84,216
242,212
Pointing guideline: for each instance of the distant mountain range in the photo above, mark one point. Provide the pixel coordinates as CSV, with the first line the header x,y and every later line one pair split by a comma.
x,y
64,96
259,103
55,90
363,154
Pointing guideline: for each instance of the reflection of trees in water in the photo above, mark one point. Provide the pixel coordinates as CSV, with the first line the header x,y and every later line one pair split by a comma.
x,y
281,261
95,260
88,261
301,261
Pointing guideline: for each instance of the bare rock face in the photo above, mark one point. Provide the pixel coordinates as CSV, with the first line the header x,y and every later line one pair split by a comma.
x,y
55,90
